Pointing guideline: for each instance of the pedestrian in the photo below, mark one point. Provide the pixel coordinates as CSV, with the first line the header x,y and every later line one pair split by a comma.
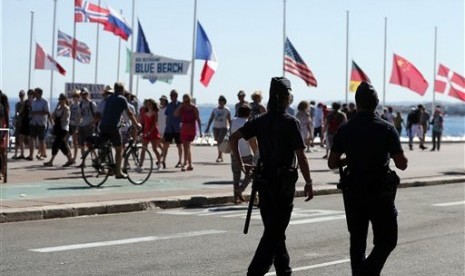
x,y
60,118
398,122
425,118
241,102
189,115
115,104
332,123
352,110
40,112
305,120
26,115
162,118
221,118
245,153
416,129
127,131
19,138
150,133
368,184
87,109
318,124
280,142
256,106
290,110
172,129
4,123
74,120
438,125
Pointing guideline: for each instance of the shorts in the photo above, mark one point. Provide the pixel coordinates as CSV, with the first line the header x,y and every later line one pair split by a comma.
x,y
219,134
37,132
84,132
112,134
72,129
416,130
317,131
169,137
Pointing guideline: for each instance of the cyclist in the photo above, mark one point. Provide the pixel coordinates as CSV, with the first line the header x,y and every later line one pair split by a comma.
x,y
115,104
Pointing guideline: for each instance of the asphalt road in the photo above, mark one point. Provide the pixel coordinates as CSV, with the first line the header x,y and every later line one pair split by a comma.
x,y
210,241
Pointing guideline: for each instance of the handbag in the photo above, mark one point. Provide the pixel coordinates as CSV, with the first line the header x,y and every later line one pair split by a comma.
x,y
225,146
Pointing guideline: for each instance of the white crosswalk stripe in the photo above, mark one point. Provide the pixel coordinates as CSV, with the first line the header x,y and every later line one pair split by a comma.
x,y
299,216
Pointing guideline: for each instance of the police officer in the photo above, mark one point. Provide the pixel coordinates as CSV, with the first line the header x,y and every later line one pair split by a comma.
x,y
279,143
368,187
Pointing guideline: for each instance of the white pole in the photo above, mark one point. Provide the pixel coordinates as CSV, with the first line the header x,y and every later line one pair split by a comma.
x,y
132,47
434,69
284,33
74,54
96,50
30,51
384,69
53,46
119,55
347,60
193,49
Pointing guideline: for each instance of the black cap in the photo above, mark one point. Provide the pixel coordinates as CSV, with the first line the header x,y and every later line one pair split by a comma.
x,y
366,96
280,86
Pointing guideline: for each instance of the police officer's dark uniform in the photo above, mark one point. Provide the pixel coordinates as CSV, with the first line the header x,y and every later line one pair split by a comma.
x,y
369,142
278,139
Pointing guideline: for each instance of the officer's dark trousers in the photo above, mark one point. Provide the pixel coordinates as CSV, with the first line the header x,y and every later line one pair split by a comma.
x,y
362,208
276,204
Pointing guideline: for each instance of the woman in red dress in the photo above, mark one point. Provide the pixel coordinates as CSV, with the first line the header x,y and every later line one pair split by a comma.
x,y
189,116
150,134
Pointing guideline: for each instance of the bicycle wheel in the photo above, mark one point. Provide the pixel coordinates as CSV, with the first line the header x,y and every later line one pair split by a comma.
x,y
94,171
138,164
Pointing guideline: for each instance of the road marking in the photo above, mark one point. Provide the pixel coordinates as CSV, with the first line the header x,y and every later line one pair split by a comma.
x,y
314,266
313,220
126,241
450,203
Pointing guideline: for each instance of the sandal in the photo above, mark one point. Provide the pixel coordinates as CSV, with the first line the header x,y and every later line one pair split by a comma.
x,y
190,168
48,164
179,165
69,163
29,158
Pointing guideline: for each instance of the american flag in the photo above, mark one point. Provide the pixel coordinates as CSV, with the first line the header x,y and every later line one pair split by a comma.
x,y
88,12
294,64
69,47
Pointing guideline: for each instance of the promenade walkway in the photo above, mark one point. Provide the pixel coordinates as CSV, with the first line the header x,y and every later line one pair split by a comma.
x,y
37,192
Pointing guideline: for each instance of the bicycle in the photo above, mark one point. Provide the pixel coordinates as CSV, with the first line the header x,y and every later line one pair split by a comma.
x,y
98,162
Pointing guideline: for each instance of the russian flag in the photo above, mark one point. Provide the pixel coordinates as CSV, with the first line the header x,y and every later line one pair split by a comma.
x,y
117,24
204,50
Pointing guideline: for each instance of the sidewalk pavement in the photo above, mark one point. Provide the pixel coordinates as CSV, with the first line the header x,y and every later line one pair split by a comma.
x,y
36,192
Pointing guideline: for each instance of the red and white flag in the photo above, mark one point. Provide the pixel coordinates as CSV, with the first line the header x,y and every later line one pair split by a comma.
x,y
449,83
46,62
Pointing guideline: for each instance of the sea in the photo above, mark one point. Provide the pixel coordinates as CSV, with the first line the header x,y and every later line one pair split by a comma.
x,y
454,125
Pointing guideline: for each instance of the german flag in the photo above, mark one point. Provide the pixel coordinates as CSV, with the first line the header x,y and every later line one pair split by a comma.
x,y
356,77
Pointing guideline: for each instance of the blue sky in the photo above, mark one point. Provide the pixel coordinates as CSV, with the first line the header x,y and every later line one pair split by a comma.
x,y
247,37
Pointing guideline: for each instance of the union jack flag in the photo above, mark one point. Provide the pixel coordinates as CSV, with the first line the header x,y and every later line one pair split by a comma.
x,y
294,64
88,12
70,47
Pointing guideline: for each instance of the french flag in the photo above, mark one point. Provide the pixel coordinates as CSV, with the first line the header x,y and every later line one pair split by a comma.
x,y
204,50
45,62
117,24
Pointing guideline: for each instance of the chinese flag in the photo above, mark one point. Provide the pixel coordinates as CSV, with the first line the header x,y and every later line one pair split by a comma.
x,y
406,75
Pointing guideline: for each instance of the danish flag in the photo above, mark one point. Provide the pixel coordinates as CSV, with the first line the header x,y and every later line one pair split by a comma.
x,y
449,83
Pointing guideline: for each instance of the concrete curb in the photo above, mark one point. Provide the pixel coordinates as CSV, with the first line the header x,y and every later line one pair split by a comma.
x,y
122,206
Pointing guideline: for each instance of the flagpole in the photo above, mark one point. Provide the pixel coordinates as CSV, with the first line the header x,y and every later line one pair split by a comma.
x,y
434,69
119,54
384,69
96,50
132,48
30,51
74,53
284,33
347,59
53,46
193,49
